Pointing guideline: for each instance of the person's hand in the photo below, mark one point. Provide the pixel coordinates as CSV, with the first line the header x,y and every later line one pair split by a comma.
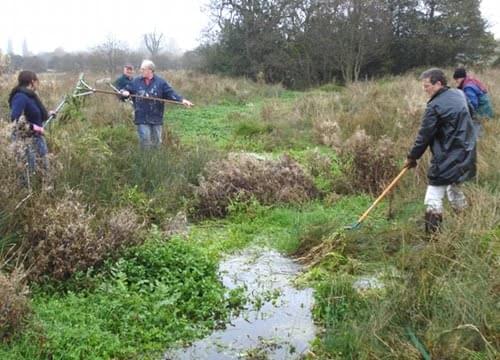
x,y
125,93
187,103
37,129
410,163
52,113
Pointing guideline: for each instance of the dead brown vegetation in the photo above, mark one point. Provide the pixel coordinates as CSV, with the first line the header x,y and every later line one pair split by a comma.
x,y
14,303
243,176
370,165
64,237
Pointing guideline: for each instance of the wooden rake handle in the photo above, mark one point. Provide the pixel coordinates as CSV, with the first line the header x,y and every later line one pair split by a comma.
x,y
384,193
99,91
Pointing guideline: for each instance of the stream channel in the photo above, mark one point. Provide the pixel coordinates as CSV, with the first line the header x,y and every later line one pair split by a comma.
x,y
277,322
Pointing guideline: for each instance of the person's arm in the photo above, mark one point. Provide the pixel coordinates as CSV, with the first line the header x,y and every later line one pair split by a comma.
x,y
17,106
169,93
127,90
426,133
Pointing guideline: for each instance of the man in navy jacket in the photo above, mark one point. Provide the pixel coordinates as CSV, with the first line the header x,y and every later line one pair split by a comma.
x,y
149,113
125,78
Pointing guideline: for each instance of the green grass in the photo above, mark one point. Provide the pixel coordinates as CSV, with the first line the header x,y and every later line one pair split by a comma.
x,y
156,295
279,227
444,292
231,126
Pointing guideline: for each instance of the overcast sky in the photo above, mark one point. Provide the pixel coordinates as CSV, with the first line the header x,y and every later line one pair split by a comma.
x,y
80,25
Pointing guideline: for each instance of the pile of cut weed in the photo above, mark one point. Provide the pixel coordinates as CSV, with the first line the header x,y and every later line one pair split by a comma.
x,y
242,177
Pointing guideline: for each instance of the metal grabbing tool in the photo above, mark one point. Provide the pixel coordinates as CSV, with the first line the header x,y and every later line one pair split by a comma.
x,y
85,89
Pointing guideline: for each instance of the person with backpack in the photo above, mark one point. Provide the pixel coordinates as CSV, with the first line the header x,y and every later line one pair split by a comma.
x,y
476,93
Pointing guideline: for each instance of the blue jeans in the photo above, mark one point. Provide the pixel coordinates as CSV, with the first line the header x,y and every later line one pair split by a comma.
x,y
149,135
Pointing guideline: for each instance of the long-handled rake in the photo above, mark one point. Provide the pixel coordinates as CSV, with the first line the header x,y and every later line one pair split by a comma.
x,y
128,100
87,89
315,254
384,193
76,93
82,89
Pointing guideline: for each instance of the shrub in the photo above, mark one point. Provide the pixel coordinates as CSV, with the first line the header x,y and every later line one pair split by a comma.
x,y
61,238
243,176
122,229
370,165
9,194
14,303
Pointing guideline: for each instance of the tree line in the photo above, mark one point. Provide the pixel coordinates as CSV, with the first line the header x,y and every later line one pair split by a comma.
x,y
301,43
107,57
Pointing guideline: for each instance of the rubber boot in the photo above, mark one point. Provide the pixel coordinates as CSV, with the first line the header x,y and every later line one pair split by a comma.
x,y
432,222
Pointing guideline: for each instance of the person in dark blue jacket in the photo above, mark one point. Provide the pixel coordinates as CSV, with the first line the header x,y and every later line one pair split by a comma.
x,y
126,78
29,114
149,113
475,91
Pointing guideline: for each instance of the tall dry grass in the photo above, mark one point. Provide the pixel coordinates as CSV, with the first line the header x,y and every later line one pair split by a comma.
x,y
14,302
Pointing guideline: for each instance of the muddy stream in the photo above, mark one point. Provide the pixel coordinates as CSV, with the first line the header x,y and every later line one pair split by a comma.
x,y
277,322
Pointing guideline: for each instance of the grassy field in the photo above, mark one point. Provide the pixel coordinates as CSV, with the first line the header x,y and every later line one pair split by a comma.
x,y
92,269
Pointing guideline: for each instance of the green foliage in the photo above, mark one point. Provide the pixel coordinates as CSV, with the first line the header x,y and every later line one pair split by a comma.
x,y
155,295
252,129
337,303
255,39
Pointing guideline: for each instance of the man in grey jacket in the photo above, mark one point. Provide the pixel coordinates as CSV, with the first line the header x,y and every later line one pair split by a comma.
x,y
447,128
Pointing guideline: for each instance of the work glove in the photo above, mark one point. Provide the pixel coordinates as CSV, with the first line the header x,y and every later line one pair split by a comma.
x,y
410,163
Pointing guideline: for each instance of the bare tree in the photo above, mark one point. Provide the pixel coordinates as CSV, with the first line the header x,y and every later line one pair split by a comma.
x,y
110,54
153,42
361,32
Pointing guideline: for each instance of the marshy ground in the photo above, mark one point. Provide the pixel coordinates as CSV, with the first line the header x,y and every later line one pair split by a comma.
x,y
120,256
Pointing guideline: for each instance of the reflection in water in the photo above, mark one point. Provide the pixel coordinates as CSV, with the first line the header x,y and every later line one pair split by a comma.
x,y
278,323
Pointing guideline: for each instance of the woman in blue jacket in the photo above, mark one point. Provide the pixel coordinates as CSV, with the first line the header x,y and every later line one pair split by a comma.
x,y
28,112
